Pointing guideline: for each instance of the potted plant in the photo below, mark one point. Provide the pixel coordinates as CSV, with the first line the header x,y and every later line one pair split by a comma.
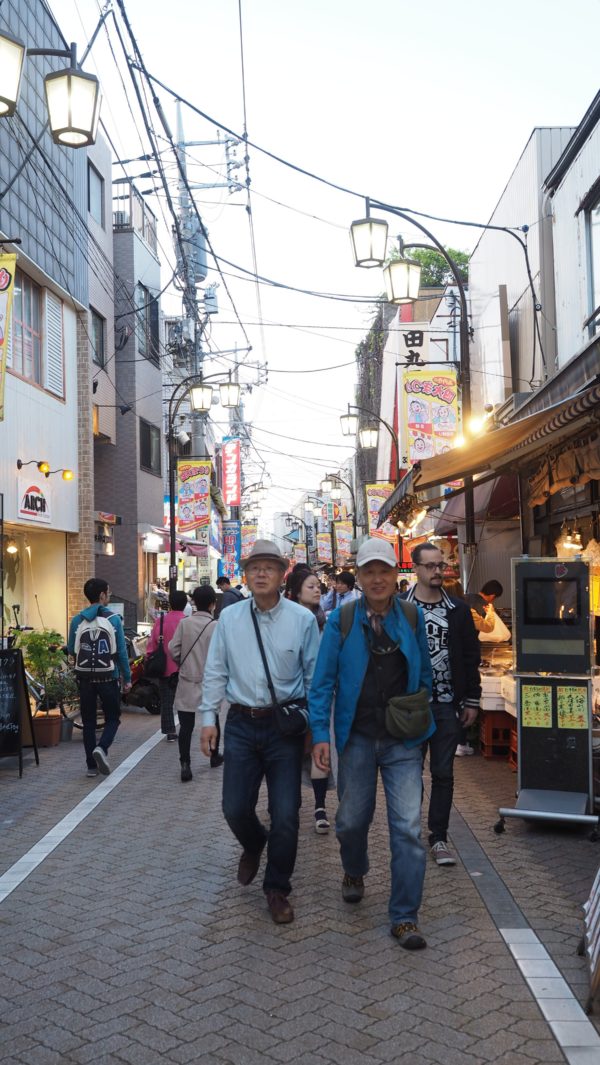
x,y
43,657
62,690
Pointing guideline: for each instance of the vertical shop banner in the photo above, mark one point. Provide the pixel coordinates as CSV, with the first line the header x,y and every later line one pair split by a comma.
x,y
232,481
8,264
249,533
343,540
324,547
229,563
376,496
215,536
300,553
430,417
193,494
413,340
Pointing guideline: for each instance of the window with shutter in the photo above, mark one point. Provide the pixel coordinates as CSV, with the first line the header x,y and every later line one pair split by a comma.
x,y
54,367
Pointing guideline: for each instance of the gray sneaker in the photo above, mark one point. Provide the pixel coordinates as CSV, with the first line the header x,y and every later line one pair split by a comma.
x,y
101,760
408,936
91,771
353,888
442,853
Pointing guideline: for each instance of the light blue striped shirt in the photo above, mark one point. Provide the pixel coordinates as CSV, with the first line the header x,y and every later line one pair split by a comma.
x,y
234,669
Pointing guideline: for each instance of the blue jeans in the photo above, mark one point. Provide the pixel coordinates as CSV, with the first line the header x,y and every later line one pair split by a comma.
x,y
109,693
253,750
401,771
442,749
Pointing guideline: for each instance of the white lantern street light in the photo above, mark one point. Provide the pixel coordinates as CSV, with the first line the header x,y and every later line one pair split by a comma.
x,y
12,55
349,424
230,394
326,485
368,237
368,437
201,397
72,97
336,494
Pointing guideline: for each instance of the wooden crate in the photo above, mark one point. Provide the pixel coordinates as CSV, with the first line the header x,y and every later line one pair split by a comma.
x,y
494,734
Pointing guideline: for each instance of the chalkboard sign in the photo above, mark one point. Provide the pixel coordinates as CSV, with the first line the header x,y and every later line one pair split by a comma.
x,y
554,734
16,729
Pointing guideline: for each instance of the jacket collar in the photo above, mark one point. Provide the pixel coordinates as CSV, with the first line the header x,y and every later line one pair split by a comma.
x,y
447,601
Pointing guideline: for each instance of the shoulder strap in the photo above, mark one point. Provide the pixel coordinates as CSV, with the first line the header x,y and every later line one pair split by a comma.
x,y
347,612
263,655
410,613
211,622
160,635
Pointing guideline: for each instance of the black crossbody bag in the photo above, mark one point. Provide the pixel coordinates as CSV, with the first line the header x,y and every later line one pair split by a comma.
x,y
291,718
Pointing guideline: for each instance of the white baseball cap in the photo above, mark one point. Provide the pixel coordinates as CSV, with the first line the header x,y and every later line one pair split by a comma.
x,y
376,550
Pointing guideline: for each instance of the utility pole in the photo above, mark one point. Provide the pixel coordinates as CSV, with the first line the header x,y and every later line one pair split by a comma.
x,y
192,270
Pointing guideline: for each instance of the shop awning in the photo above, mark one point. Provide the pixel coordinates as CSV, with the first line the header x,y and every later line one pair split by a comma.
x,y
508,448
495,500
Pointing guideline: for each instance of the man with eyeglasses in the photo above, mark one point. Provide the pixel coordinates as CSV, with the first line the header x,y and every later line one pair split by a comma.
x,y
455,655
254,749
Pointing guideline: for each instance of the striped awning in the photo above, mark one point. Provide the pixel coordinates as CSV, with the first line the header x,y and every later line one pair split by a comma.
x,y
508,448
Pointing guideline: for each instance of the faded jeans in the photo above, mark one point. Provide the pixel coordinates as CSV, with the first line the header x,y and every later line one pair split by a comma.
x,y
401,771
253,750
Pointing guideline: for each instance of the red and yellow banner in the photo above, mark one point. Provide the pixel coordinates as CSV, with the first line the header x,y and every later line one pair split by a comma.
x,y
193,494
376,496
324,547
343,540
8,265
430,414
249,533
299,552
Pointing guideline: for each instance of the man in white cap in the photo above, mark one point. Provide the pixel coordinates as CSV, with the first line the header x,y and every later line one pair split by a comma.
x,y
254,748
372,650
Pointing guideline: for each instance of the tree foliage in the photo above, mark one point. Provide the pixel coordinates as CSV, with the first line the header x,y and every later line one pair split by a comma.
x,y
435,272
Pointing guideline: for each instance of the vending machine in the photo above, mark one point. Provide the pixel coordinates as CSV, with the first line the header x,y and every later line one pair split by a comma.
x,y
556,629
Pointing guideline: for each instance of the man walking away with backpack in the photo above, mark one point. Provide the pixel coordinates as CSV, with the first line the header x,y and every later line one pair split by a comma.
x,y
373,654
97,643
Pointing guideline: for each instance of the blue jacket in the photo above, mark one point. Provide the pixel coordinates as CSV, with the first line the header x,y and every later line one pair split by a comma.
x,y
122,662
341,669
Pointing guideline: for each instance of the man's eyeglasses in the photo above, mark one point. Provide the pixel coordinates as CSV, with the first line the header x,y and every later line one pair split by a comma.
x,y
430,566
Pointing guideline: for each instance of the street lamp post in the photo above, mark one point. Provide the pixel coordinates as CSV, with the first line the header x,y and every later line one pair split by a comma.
x,y
201,401
368,435
368,238
335,478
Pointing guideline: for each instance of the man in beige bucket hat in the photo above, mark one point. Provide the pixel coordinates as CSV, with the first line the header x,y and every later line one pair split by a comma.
x,y
254,748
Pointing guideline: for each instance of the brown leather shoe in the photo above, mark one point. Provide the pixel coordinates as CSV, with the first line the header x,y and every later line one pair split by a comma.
x,y
248,867
280,908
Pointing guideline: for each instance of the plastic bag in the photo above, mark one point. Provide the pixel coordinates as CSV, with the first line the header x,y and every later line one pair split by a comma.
x,y
499,633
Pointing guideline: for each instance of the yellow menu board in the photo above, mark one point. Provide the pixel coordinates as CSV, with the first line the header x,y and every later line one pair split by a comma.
x,y
572,707
536,706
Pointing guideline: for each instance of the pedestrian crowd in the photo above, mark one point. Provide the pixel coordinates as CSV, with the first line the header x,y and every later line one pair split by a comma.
x,y
339,684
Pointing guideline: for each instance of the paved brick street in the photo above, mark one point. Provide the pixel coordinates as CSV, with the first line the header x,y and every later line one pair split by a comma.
x,y
132,941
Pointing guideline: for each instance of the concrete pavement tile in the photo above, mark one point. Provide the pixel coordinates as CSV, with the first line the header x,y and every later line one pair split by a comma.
x,y
537,968
105,1048
529,950
542,987
581,1055
561,1009
576,1034
289,1051
152,1038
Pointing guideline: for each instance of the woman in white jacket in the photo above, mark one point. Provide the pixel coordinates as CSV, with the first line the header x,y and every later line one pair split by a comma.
x,y
189,648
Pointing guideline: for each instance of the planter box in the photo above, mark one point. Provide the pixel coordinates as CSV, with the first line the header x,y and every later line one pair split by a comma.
x,y
47,728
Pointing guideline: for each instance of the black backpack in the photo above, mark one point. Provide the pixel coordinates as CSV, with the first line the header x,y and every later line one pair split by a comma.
x,y
347,611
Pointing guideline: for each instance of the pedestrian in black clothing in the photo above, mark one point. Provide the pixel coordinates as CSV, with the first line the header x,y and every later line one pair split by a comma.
x,y
455,656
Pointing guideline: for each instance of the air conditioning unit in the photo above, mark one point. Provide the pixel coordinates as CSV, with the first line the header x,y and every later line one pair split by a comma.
x,y
120,219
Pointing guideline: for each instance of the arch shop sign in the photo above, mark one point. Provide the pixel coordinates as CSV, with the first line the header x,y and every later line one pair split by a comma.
x,y
34,501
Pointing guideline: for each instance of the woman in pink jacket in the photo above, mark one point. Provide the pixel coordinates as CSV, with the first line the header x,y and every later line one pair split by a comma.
x,y
167,684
